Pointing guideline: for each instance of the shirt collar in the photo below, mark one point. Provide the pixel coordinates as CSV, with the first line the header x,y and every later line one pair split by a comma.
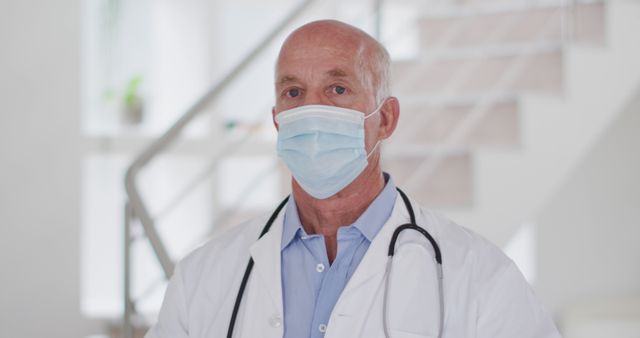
x,y
369,223
291,223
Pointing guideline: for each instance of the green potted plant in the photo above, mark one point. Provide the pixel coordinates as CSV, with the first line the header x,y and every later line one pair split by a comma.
x,y
132,109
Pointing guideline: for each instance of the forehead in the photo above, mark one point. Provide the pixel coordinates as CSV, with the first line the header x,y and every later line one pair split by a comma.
x,y
312,56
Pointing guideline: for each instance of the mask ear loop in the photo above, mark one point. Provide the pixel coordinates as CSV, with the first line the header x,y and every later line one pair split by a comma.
x,y
375,111
374,149
366,117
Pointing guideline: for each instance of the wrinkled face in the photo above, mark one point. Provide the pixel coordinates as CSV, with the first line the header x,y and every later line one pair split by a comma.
x,y
321,68
327,66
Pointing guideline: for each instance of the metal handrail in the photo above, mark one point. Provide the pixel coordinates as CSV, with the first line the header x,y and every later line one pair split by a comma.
x,y
136,203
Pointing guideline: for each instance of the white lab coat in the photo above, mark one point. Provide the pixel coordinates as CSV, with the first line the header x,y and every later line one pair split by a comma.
x,y
485,296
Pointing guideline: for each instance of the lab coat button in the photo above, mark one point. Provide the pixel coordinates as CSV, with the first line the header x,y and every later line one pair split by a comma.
x,y
320,267
275,321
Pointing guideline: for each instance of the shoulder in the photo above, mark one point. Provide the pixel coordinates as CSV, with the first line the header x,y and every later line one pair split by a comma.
x,y
213,256
479,273
466,254
458,237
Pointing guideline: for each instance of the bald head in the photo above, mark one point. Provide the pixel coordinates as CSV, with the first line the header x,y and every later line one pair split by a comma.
x,y
337,39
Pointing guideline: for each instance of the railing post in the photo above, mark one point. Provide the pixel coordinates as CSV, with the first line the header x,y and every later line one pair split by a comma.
x,y
127,322
171,135
378,15
135,207
567,20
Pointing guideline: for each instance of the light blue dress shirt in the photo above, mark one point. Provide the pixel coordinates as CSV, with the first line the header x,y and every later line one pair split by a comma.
x,y
310,286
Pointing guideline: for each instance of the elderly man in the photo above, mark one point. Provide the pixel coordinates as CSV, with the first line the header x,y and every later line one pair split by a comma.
x,y
320,266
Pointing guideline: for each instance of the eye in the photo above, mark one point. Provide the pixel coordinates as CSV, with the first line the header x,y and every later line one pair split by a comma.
x,y
293,92
339,90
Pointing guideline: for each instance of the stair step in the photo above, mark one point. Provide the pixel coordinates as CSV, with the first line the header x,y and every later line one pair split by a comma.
x,y
489,51
115,330
513,26
431,125
448,185
589,23
542,73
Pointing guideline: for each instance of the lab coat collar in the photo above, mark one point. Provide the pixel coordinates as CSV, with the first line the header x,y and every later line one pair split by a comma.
x,y
266,255
374,261
347,318
290,223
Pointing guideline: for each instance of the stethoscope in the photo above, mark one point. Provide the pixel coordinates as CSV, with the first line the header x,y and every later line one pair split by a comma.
x,y
392,247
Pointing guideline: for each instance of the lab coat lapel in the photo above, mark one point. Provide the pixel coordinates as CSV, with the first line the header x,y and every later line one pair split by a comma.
x,y
374,261
266,255
350,312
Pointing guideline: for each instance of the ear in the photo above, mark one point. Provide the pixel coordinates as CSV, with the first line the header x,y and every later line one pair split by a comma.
x,y
273,117
389,115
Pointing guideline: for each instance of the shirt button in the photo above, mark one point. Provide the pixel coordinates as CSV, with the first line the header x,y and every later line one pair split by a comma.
x,y
320,267
322,328
275,321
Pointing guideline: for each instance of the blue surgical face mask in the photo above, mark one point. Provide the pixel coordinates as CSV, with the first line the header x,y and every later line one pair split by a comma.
x,y
323,146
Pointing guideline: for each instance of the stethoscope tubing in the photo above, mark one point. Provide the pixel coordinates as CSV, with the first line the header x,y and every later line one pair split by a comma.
x,y
392,247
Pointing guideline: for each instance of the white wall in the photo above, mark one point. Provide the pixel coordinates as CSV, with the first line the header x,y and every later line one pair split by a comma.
x,y
589,232
40,169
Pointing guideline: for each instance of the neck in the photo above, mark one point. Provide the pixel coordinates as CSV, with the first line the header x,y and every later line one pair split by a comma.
x,y
327,215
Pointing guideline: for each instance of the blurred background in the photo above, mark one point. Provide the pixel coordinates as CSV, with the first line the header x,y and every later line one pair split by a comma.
x,y
520,119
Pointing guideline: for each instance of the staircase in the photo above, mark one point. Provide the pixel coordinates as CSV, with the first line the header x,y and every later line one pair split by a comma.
x,y
528,132
462,94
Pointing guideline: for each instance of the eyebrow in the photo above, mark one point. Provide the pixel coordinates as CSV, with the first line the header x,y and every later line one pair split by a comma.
x,y
287,79
336,72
